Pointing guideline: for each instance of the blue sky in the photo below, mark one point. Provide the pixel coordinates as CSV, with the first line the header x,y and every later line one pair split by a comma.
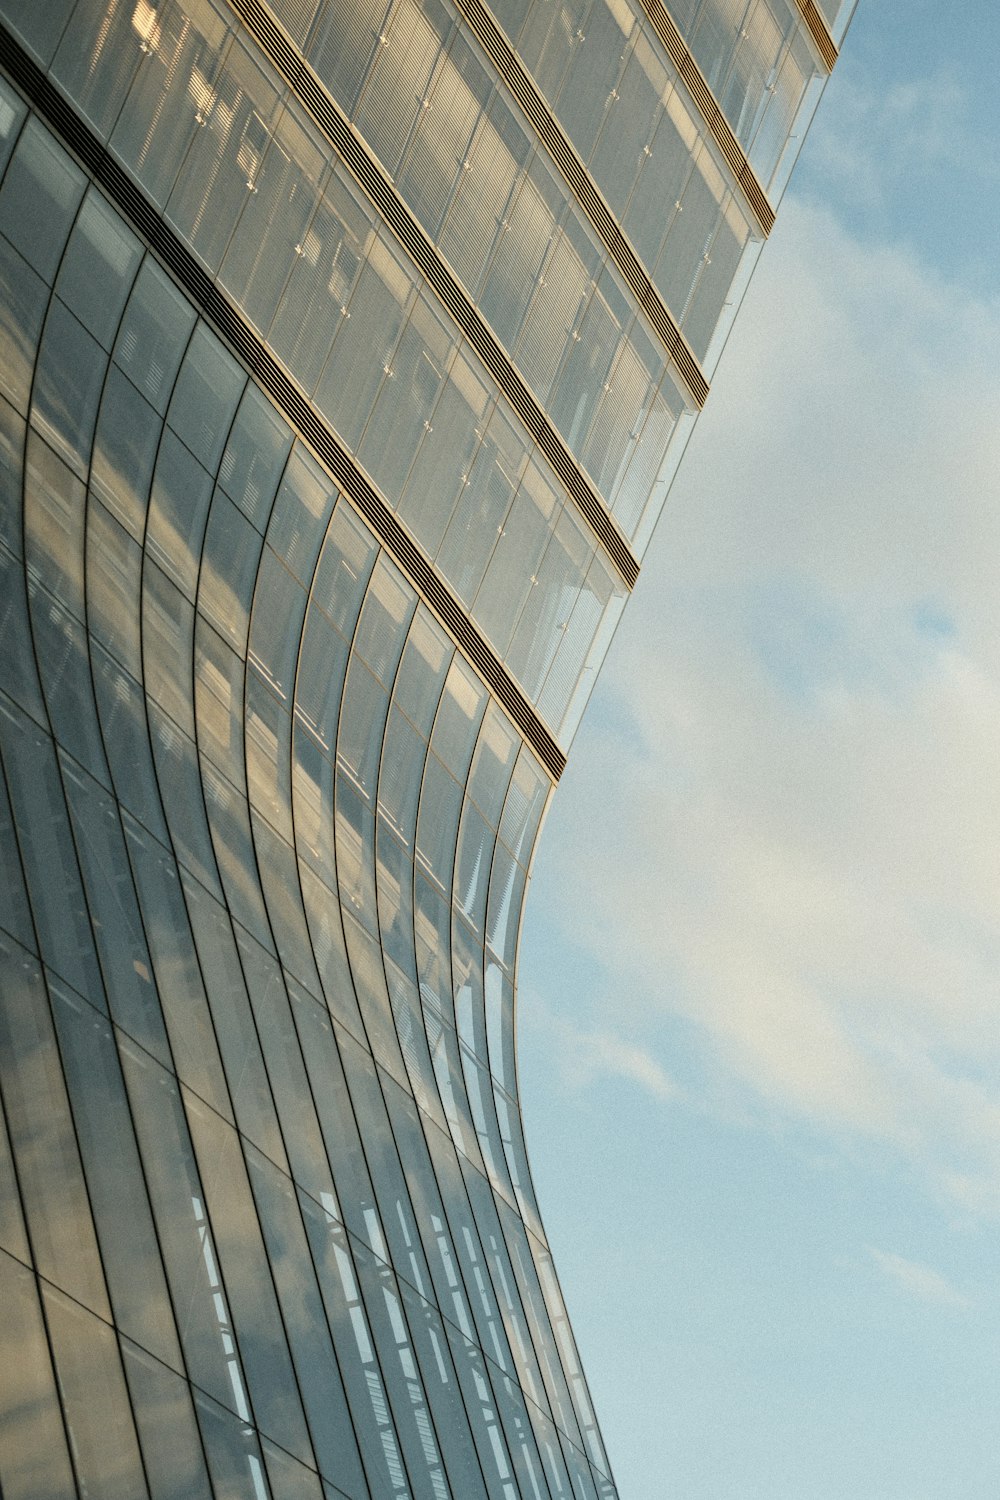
x,y
759,1026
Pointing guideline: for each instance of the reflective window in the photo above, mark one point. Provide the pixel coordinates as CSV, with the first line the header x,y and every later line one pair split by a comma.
x,y
258,1090
33,1455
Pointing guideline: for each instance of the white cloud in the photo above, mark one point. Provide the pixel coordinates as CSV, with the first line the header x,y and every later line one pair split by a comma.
x,y
794,841
919,1281
586,1055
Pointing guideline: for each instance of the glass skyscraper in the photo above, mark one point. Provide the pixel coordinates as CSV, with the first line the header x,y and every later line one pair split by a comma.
x,y
346,350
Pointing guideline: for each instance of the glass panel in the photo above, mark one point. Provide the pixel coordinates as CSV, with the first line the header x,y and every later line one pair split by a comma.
x,y
128,432
313,1352
153,334
400,775
180,786
33,1457
618,156
444,456
342,43
522,811
363,344
182,49
38,199
322,276
283,1059
50,866
11,479
482,200
114,1176
208,387
67,387
400,77
268,754
300,518
243,1263
425,660
276,627
21,678
345,564
590,81
178,511
122,711
219,675
381,632
437,825
368,972
329,948
475,849
366,1393
54,507
483,506
39,29
15,913
459,715
168,647
404,1386
444,130
255,456
271,230
492,763
186,1238
98,55
61,644
289,1479
402,413
546,615
237,1035
23,299
516,557
98,269
229,570
114,911
225,158
291,934
175,965
41,1132
234,1456
12,109
114,586
164,1417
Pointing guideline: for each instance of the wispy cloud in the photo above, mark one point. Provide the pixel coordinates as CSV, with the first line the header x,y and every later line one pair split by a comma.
x,y
794,845
918,1281
587,1055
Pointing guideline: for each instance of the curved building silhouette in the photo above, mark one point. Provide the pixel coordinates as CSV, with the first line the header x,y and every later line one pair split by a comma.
x,y
347,348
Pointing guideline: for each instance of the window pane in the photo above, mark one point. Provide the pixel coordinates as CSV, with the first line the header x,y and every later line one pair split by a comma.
x,y
33,1457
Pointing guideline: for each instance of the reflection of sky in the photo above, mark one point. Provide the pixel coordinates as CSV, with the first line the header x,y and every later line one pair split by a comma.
x,y
759,981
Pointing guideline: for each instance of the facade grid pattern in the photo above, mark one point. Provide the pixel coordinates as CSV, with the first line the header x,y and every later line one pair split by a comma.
x,y
326,459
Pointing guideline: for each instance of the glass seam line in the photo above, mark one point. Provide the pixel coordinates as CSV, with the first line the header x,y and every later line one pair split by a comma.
x,y
287,396
309,91
562,152
819,32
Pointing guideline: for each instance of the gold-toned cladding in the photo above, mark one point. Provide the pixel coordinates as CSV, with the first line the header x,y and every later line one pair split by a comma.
x,y
289,62
819,31
256,357
722,132
496,47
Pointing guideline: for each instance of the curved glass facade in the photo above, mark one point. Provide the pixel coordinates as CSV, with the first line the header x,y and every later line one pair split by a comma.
x,y
267,1226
